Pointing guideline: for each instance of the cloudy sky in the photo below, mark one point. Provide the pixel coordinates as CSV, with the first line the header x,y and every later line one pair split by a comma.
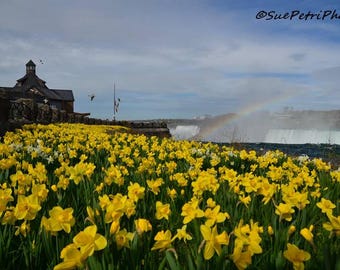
x,y
177,58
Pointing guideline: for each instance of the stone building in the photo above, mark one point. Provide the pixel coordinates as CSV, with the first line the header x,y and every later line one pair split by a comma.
x,y
32,87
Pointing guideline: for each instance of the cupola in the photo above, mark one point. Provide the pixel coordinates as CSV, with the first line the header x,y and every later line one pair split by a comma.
x,y
30,67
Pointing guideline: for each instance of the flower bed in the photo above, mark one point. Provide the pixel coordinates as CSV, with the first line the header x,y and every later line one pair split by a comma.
x,y
95,197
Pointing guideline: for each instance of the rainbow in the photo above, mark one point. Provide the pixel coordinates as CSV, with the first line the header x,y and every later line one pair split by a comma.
x,y
244,112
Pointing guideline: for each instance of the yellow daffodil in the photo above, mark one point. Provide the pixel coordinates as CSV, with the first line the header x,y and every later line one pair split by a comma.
x,y
180,179
336,175
191,211
60,219
72,258
104,201
182,234
291,230
114,175
155,185
211,203
89,240
62,183
91,214
5,197
241,258
270,230
326,206
54,188
21,179
172,193
248,237
162,210
135,191
115,225
23,229
215,216
80,170
163,240
321,165
206,181
267,190
296,256
142,225
38,172
27,207
123,238
301,200
333,225
8,216
307,234
245,199
213,241
285,211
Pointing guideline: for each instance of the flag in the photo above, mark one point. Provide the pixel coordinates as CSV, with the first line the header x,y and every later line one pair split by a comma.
x,y
116,104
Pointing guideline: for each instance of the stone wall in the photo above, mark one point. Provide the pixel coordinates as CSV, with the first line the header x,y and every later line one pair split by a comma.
x,y
4,115
14,114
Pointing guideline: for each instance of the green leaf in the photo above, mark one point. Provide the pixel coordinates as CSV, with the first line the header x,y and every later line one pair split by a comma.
x,y
162,264
172,260
190,262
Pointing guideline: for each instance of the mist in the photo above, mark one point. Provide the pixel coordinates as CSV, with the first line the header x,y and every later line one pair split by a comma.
x,y
286,127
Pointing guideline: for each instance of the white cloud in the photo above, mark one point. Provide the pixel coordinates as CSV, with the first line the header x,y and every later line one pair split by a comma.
x,y
206,60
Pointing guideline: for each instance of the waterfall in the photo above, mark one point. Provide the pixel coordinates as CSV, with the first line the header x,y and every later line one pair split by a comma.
x,y
184,132
302,136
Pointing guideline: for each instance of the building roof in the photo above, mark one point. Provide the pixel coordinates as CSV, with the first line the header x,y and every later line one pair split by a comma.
x,y
30,63
66,95
31,82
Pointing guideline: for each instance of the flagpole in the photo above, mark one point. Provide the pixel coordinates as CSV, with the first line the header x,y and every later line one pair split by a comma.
x,y
114,101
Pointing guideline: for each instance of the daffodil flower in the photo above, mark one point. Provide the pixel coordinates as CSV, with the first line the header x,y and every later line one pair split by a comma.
x,y
27,207
307,234
163,240
142,225
182,234
89,240
162,210
241,257
325,205
61,219
135,191
72,258
296,256
213,241
334,225
191,211
285,211
123,238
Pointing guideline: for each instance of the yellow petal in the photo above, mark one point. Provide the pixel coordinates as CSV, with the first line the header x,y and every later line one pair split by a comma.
x,y
100,242
208,251
69,265
81,239
223,238
205,230
91,230
114,226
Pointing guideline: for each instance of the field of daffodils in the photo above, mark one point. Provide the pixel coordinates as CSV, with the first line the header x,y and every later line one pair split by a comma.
x,y
75,196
